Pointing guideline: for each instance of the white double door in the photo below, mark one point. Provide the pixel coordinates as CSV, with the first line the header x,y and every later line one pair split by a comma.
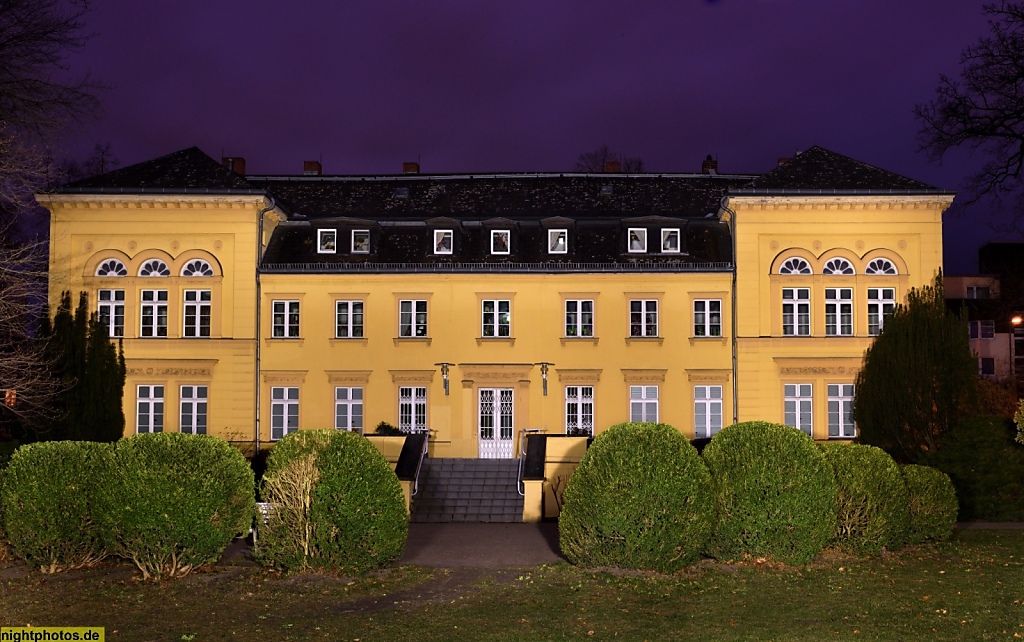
x,y
496,415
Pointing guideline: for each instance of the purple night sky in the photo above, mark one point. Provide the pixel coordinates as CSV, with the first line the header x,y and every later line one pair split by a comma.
x,y
487,86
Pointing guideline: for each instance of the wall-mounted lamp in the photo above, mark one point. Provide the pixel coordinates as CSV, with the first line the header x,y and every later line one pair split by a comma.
x,y
444,375
544,375
1016,320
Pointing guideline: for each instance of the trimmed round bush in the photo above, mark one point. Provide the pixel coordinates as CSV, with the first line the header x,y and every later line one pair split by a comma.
x,y
932,503
871,498
775,492
178,500
49,495
335,504
640,498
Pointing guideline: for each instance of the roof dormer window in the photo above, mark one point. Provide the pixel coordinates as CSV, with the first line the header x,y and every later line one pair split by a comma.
x,y
670,240
558,241
636,240
501,242
360,241
443,241
327,241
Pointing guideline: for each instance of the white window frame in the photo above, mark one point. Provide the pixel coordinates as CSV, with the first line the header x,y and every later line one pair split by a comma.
x,y
796,265
444,241
707,411
284,411
798,406
973,292
153,314
348,409
111,268
345,314
110,311
149,408
579,410
285,318
556,235
705,311
412,408
641,311
643,404
796,312
881,266
636,240
327,241
196,313
193,407
881,305
196,268
493,323
840,411
838,267
499,234
360,241
839,312
666,235
576,324
982,329
154,268
412,318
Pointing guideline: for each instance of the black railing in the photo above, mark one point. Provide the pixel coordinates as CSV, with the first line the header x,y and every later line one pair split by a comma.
x,y
447,268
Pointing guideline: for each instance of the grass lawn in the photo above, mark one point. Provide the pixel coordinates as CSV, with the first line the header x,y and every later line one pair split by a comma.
x,y
969,589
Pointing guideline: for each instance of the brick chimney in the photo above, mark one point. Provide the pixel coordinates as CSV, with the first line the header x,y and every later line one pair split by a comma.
x,y
612,167
784,159
410,167
709,166
312,168
234,163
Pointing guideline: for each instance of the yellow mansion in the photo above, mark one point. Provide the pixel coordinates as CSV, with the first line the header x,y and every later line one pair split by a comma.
x,y
477,306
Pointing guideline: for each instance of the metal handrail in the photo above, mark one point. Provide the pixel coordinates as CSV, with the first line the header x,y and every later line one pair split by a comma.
x,y
378,267
423,454
520,485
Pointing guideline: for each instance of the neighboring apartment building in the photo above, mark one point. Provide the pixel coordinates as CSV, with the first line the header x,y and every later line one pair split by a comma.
x,y
479,305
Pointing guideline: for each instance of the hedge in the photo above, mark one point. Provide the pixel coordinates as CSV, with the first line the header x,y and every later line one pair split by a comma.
x,y
640,498
932,503
49,497
335,505
871,497
5,547
775,492
178,500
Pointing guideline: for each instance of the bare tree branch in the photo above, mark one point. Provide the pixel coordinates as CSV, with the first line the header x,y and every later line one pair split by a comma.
x,y
597,160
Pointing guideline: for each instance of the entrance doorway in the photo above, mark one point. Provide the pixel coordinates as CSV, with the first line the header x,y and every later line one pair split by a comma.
x,y
496,413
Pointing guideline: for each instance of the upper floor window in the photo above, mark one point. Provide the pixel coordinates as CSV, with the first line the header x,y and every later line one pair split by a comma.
x,y
982,329
110,311
707,318
443,241
197,313
643,318
838,266
881,266
197,267
839,312
326,241
795,265
796,312
636,239
881,304
579,318
153,313
497,318
670,240
979,292
558,241
154,267
285,319
111,267
501,242
349,319
360,241
412,318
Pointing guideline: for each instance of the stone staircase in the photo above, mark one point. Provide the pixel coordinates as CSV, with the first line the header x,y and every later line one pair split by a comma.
x,y
468,490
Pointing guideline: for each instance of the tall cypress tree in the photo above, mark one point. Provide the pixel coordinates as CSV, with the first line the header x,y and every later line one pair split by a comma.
x,y
919,378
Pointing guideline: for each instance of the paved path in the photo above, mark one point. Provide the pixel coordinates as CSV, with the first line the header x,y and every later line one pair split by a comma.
x,y
482,545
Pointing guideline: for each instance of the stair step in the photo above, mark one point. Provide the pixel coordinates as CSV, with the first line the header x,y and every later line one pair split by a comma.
x,y
468,490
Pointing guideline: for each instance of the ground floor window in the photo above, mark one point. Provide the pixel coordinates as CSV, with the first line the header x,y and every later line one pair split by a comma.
x,y
707,411
284,411
348,409
798,406
643,403
579,410
412,408
840,411
193,410
149,407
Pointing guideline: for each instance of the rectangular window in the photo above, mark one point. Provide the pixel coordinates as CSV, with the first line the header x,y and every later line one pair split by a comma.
x,y
110,311
348,409
840,411
796,312
360,241
707,411
982,329
197,313
412,409
579,318
149,407
978,292
327,241
153,313
579,410
798,406
284,412
412,318
443,241
643,318
193,410
881,303
707,318
349,320
637,239
497,318
987,366
670,240
285,322
839,312
501,242
558,241
643,403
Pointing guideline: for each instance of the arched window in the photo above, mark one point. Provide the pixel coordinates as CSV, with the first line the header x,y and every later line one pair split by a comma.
x,y
154,267
795,265
111,267
197,267
881,266
838,266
